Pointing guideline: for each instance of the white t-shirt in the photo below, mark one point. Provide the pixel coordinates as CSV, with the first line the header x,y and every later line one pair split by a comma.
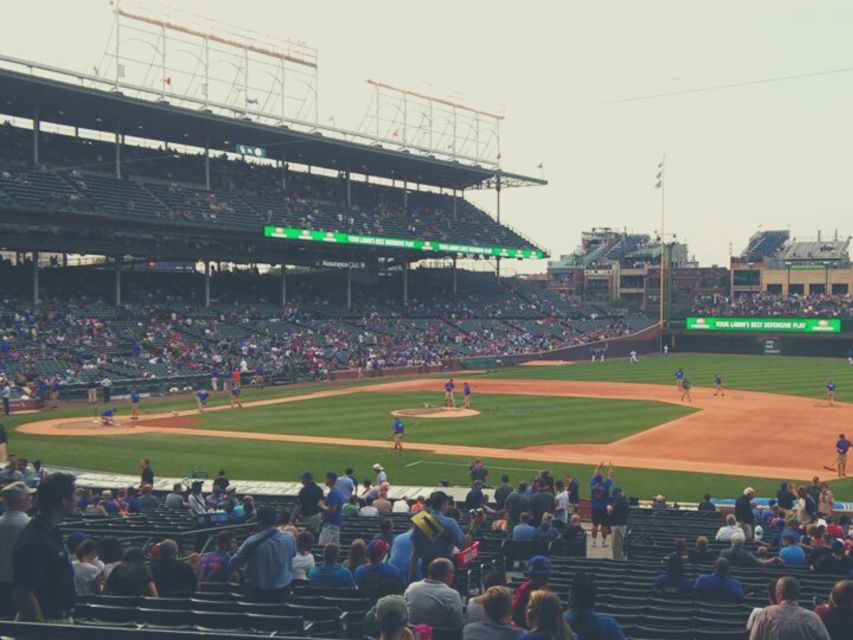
x,y
562,500
368,512
400,506
725,533
302,564
84,577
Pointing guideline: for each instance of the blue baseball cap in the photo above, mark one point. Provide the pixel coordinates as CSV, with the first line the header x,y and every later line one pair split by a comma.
x,y
539,566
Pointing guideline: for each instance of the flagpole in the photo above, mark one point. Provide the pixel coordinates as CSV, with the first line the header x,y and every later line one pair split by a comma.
x,y
662,245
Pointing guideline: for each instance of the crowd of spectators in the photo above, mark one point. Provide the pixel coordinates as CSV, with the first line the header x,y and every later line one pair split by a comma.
x,y
775,305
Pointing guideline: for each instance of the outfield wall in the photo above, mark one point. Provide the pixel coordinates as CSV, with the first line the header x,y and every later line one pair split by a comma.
x,y
831,346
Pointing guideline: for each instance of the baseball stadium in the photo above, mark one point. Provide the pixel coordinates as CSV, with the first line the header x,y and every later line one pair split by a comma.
x,y
214,301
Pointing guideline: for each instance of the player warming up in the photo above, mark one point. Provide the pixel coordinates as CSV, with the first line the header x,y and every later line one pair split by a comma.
x,y
134,404
599,488
841,449
632,357
719,388
830,392
107,416
466,395
398,430
235,396
685,390
679,378
201,399
449,399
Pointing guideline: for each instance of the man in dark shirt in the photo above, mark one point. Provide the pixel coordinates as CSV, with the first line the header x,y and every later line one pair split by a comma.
x,y
516,504
502,491
221,480
541,502
478,471
147,472
836,563
43,579
307,506
476,499
172,577
574,489
743,511
707,505
619,522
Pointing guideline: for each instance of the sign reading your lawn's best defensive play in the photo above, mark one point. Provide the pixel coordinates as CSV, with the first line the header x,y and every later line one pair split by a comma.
x,y
784,325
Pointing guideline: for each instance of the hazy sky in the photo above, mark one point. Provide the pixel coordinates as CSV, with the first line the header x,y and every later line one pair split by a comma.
x,y
776,155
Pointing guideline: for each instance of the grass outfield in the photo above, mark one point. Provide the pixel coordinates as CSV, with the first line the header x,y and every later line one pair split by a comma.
x,y
776,374
177,455
506,421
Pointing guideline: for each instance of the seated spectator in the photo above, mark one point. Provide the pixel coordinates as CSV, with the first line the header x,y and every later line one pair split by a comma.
x,y
173,577
792,528
740,557
368,511
673,582
175,499
350,508
215,566
582,618
575,534
330,573
370,625
545,618
303,562
824,548
771,599
701,553
791,553
718,585
523,530
148,502
386,532
475,612
368,576
538,572
111,553
392,619
497,605
356,556
88,571
382,503
725,533
432,601
706,504
659,503
787,620
837,614
131,576
837,563
196,502
419,505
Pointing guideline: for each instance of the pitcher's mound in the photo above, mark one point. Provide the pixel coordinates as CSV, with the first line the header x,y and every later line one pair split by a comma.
x,y
435,412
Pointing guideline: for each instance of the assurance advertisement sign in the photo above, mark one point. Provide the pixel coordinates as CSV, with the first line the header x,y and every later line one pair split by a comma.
x,y
780,325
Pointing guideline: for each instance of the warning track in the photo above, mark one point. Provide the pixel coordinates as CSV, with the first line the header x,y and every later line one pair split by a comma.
x,y
745,433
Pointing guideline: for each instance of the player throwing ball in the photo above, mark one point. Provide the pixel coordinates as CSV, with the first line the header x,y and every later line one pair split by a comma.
x,y
830,392
235,396
449,399
398,430
719,388
466,395
685,390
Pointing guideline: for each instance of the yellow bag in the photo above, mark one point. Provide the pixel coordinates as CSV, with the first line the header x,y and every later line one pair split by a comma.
x,y
428,525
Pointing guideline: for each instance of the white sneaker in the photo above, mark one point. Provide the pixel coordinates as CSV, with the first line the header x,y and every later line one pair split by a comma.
x,y
604,543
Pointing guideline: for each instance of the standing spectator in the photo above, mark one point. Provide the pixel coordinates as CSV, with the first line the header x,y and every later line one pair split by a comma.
x,y
582,618
538,572
785,497
837,615
706,504
432,601
4,444
541,502
618,516
502,491
561,501
478,471
743,512
787,620
215,566
6,395
147,473
497,605
600,493
221,480
330,573
545,618
18,500
303,562
43,580
718,585
427,549
814,488
516,504
381,476
174,579
268,559
308,504
805,508
826,500
574,490
106,389
345,484
88,572
131,576
476,499
673,582
401,557
92,392
332,509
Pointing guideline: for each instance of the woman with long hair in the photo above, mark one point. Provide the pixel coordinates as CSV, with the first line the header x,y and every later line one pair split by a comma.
x,y
545,618
357,555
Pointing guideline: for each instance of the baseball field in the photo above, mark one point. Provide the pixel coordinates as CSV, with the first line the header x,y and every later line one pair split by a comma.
x,y
773,424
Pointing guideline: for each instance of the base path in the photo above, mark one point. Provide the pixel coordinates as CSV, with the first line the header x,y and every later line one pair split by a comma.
x,y
744,433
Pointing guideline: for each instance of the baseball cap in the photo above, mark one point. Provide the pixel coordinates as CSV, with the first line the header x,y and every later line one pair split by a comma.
x,y
377,467
748,490
378,547
15,491
617,490
539,566
307,476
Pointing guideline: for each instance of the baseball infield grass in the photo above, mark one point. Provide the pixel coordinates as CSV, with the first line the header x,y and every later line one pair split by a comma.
x,y
507,421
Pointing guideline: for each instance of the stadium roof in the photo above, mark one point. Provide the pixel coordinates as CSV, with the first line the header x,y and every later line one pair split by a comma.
x,y
64,103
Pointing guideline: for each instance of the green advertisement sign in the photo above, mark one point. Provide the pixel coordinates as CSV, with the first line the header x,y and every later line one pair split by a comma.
x,y
781,325
336,237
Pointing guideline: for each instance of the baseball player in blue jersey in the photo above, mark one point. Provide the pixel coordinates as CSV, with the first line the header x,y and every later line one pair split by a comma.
x,y
134,403
841,449
107,417
685,390
235,396
449,399
830,392
466,395
398,430
679,378
718,385
201,399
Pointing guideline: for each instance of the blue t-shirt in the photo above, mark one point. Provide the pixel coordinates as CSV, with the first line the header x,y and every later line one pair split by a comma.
x,y
718,380
679,374
600,492
441,547
399,427
843,445
673,586
466,389
830,386
718,587
108,413
401,555
235,391
336,576
135,397
334,499
793,556
369,576
449,386
525,531
594,626
202,396
214,567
